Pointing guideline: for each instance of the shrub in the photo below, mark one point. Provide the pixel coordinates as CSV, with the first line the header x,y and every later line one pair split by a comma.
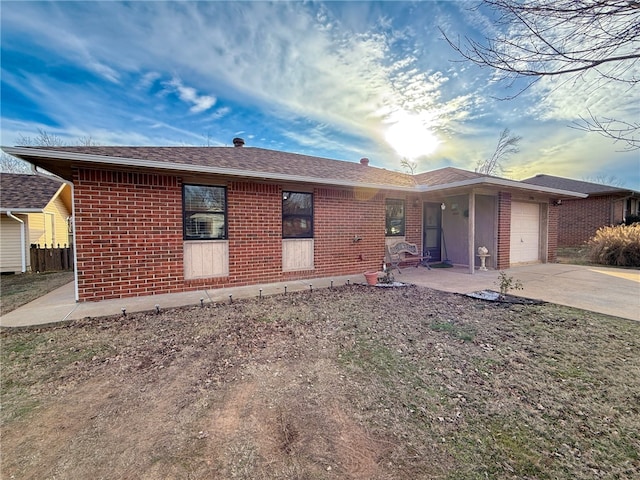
x,y
619,246
506,283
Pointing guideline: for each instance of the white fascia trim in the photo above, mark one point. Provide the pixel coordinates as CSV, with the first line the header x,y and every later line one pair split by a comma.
x,y
21,211
135,162
500,182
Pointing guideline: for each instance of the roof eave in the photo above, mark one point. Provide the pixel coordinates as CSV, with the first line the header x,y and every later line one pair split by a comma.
x,y
26,153
501,182
30,152
21,210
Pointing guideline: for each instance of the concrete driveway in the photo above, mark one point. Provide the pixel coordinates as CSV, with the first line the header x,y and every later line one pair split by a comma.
x,y
611,291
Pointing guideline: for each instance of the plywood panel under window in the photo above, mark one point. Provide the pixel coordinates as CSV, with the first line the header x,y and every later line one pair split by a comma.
x,y
206,259
297,254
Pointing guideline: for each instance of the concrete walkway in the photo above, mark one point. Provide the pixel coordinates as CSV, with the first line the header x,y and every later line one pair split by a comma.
x,y
610,291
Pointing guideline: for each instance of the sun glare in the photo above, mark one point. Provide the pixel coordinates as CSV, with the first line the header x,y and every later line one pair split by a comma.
x,y
410,137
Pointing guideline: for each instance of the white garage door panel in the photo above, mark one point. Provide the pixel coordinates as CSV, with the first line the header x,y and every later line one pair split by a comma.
x,y
525,232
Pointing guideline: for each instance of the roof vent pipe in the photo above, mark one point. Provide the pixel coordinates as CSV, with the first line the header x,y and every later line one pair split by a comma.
x,y
364,161
238,142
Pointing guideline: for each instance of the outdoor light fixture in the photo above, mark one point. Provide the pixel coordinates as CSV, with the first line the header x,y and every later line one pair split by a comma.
x,y
443,206
285,195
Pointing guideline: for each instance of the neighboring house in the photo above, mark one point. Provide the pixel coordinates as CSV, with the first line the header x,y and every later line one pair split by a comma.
x,y
580,218
153,220
34,209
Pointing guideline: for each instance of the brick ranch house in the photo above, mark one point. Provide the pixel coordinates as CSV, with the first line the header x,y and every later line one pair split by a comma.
x,y
151,220
580,218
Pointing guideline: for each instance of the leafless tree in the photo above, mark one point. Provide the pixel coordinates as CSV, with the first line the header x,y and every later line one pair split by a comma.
x,y
546,38
507,146
87,141
408,165
10,164
608,180
43,139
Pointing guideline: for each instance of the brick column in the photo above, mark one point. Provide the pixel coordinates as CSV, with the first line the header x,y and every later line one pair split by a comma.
x,y
552,233
503,260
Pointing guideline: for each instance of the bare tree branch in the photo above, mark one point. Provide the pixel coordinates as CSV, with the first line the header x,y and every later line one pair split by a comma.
x,y
555,38
408,165
617,130
10,164
43,139
507,146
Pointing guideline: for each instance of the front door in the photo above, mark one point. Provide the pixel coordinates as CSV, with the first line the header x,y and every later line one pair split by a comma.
x,y
431,232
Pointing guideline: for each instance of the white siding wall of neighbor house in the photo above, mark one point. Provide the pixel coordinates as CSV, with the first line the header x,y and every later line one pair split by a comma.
x,y
206,259
525,233
297,254
10,251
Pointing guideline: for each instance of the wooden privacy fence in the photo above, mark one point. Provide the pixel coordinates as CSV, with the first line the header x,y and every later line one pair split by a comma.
x,y
51,259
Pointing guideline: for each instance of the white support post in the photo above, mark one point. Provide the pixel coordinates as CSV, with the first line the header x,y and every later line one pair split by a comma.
x,y
472,231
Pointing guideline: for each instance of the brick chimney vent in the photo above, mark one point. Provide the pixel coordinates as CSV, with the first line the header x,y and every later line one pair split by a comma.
x,y
238,142
364,161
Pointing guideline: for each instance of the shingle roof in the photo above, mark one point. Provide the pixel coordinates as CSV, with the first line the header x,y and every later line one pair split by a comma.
x,y
252,160
259,163
20,191
571,185
445,176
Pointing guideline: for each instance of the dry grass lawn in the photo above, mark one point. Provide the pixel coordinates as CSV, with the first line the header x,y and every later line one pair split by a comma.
x,y
349,383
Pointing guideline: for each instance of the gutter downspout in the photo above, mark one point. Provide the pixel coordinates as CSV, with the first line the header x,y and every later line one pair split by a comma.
x,y
73,239
23,248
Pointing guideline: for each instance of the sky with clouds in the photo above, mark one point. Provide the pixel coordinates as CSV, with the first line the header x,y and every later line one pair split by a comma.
x,y
341,80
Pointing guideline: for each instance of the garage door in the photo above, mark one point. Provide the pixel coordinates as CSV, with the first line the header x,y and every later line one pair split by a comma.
x,y
525,232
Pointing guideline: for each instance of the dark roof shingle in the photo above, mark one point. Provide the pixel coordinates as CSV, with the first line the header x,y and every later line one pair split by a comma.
x,y
252,160
571,185
444,176
21,191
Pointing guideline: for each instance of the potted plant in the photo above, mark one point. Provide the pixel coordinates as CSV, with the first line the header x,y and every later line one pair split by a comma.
x,y
372,277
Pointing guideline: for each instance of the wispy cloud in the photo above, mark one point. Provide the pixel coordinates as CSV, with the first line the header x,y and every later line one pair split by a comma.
x,y
199,103
340,79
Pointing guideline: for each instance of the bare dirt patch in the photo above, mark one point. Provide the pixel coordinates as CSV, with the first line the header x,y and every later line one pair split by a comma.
x,y
348,383
18,290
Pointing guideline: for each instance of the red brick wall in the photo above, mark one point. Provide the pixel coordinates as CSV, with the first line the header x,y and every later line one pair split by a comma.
x,y
579,219
552,233
255,233
413,228
339,216
504,231
128,234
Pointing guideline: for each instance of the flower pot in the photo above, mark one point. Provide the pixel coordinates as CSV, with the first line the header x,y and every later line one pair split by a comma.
x,y
372,277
